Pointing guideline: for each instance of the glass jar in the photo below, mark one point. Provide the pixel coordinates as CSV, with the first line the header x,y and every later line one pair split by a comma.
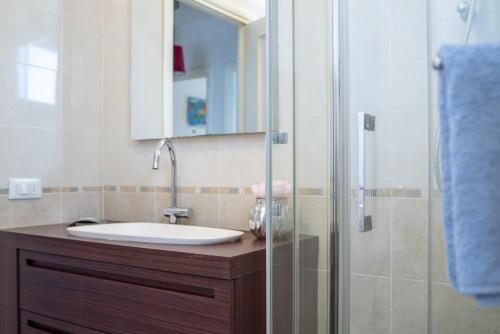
x,y
282,219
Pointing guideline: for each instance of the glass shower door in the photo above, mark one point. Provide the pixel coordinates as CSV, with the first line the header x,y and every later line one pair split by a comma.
x,y
384,93
394,276
299,155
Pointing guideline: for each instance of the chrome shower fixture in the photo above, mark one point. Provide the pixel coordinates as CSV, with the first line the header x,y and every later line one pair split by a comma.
x,y
463,8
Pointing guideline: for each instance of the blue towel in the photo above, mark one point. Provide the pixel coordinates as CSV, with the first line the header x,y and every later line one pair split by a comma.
x,y
470,157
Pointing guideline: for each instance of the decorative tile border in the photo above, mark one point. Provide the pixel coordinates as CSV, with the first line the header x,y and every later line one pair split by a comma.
x,y
394,193
312,192
91,189
244,191
51,190
229,190
163,189
147,189
128,189
70,189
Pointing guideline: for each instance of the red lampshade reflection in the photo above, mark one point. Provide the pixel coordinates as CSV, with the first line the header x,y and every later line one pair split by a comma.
x,y
179,67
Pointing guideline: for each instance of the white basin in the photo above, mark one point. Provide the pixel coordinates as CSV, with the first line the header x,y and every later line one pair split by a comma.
x,y
156,233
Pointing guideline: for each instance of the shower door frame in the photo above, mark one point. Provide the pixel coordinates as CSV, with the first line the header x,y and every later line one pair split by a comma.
x,y
339,221
338,134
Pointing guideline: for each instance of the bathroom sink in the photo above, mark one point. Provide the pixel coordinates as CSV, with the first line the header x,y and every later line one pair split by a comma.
x,y
156,233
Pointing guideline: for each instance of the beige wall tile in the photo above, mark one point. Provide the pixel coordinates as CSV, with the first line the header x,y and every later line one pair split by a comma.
x,y
31,152
127,162
116,10
81,102
116,47
198,162
312,213
241,160
82,46
310,25
205,209
410,148
311,143
234,211
439,273
22,213
311,73
370,304
116,103
24,23
410,238
79,205
21,108
129,206
84,9
81,158
454,314
409,307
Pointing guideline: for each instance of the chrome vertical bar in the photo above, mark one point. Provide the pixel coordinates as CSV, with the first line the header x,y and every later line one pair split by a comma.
x,y
269,180
365,122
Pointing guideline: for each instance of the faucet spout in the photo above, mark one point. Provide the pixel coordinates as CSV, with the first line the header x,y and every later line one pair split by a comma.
x,y
173,161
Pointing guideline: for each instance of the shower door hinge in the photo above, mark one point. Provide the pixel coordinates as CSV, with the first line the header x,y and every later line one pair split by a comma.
x,y
280,138
369,122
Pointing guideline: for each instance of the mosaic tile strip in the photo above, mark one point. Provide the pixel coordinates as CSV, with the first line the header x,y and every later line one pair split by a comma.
x,y
91,188
128,189
396,193
163,189
407,193
70,189
186,190
371,192
147,189
311,191
51,190
209,190
229,191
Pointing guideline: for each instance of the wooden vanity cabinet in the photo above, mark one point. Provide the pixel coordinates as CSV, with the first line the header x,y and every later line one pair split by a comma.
x,y
52,283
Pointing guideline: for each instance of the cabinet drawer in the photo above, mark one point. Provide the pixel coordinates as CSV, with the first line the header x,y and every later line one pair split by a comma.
x,y
36,324
123,300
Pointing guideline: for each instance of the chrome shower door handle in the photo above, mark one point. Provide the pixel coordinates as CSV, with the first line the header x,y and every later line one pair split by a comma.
x,y
366,122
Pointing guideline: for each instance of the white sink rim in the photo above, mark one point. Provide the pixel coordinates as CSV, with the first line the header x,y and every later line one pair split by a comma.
x,y
152,233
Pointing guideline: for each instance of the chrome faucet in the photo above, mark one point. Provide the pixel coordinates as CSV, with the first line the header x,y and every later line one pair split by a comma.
x,y
173,212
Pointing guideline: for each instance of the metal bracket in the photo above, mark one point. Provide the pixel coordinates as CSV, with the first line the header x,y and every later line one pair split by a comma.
x,y
369,122
280,138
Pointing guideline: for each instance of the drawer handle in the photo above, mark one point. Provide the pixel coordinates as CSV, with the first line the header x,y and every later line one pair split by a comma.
x,y
144,282
46,328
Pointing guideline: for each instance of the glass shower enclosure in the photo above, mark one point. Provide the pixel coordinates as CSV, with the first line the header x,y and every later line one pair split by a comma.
x,y
352,128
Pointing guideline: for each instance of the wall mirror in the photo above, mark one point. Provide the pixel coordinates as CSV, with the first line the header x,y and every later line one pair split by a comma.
x,y
198,68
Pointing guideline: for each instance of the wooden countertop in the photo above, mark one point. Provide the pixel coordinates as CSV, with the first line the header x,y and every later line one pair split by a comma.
x,y
224,261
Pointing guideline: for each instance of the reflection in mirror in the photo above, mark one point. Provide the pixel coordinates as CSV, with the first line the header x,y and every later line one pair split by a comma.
x,y
199,69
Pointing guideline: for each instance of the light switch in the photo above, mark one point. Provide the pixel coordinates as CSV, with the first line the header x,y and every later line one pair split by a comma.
x,y
25,188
